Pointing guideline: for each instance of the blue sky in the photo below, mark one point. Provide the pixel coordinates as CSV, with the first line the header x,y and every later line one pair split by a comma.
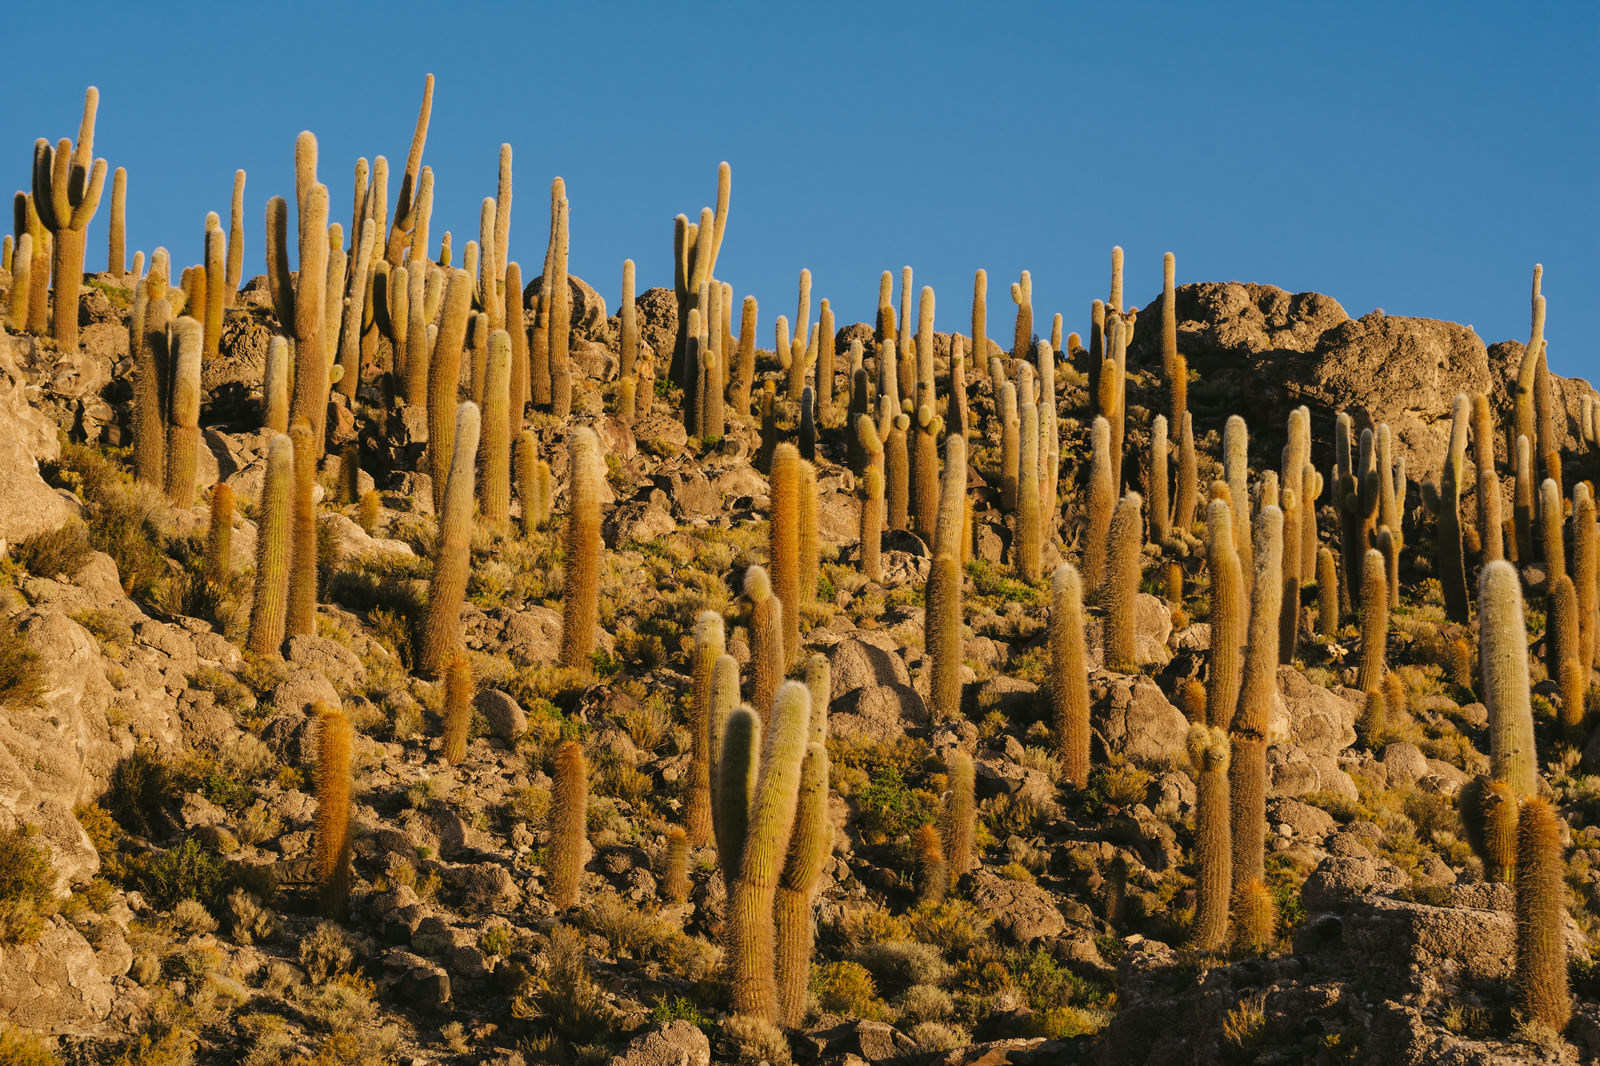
x,y
1421,159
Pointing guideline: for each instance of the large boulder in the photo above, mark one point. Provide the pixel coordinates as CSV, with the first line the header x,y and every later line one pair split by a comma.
x,y
872,697
27,436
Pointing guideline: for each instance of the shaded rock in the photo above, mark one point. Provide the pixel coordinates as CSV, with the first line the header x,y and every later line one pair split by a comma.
x,y
503,713
1022,912
55,983
1134,718
678,1043
1339,883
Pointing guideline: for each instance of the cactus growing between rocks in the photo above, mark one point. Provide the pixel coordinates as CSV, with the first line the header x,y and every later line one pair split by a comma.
x,y
738,747
783,543
332,830
942,592
183,429
810,845
1102,500
457,707
1503,665
768,657
1227,615
1028,536
766,844
1209,755
1552,544
709,646
580,594
1541,912
1069,676
302,617
1160,517
569,802
452,557
1374,620
960,814
67,183
1585,562
494,473
1489,821
270,605
1121,588
1247,772
675,881
218,563
871,531
1327,594
443,375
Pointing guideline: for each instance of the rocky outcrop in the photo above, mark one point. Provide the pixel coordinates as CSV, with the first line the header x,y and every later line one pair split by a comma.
x,y
27,437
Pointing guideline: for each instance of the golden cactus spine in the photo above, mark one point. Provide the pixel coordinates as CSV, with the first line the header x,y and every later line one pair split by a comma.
x,y
218,565
183,429
67,184
1247,772
810,845
1327,594
302,617
1160,517
1227,616
453,556
767,836
569,802
1121,588
627,369
1028,535
1188,478
1102,500
117,244
1374,620
871,535
960,814
560,327
783,544
442,376
1069,675
810,555
709,646
580,594
933,874
768,657
942,592
738,745
1541,911
494,485
1505,689
332,832
269,607
457,706
1209,754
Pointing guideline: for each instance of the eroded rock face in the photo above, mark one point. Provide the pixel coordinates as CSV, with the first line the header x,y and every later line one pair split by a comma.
x,y
27,436
54,983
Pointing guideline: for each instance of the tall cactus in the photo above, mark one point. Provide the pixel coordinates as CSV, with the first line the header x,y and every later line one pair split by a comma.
x,y
1489,821
1447,548
783,543
1209,754
569,802
1585,561
1069,675
1227,616
1160,517
302,619
270,605
457,707
942,593
494,486
1327,594
559,332
1374,620
443,377
1236,471
1028,535
1551,542
1247,772
766,843
580,594
960,814
1102,500
67,183
117,242
810,845
1121,588
452,557
810,541
768,658
1503,665
1541,910
332,831
183,429
709,638
219,535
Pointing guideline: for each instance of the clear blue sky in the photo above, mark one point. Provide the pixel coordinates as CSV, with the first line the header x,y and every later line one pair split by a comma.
x,y
1421,160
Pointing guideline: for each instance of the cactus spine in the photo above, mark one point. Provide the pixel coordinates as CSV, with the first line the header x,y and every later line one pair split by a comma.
x,y
872,511
1541,971
273,532
1227,616
1503,665
1209,753
960,816
1374,620
1489,818
766,843
1121,587
676,880
709,646
67,183
810,543
494,489
1247,772
1102,499
933,874
1551,542
1160,525
183,431
439,387
453,557
810,845
768,659
302,618
783,544
1327,594
117,244
569,803
559,332
1069,675
580,596
1028,535
942,593
738,746
334,736
457,707
219,535
1236,471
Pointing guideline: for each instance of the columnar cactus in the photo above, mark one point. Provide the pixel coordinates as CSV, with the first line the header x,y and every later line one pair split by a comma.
x,y
1029,535
494,474
332,830
1227,615
738,761
810,845
183,429
709,637
783,543
559,333
1069,675
1247,772
960,814
1209,754
580,594
527,471
897,474
827,351
452,558
1160,518
743,374
1121,587
933,873
1010,430
1327,594
443,379
675,883
270,605
233,272
1236,471
810,541
1503,665
1102,500
1551,543
872,514
67,183
1173,366
218,564
1489,818
117,244
1374,620
569,802
1525,424
1541,907
626,369
1585,561
1022,336
1524,501
767,835
210,313
1562,641
942,593
21,280
1188,478
457,706
924,489
768,658
302,617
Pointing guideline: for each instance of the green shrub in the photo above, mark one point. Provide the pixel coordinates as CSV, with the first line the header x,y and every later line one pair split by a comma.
x,y
20,682
187,871
63,550
18,1047
847,988
888,808
27,884
141,788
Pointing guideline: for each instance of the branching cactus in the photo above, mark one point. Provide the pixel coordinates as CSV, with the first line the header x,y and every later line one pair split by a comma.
x,y
1503,666
1069,675
270,606
183,429
767,836
332,831
1227,616
569,802
580,594
708,648
1209,755
1121,588
960,814
452,559
67,183
1541,908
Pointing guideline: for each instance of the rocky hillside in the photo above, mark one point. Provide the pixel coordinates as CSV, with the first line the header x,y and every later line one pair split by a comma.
x,y
329,744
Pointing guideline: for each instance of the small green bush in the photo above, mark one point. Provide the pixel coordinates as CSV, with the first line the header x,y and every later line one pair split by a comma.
x,y
18,1047
63,550
20,682
27,884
